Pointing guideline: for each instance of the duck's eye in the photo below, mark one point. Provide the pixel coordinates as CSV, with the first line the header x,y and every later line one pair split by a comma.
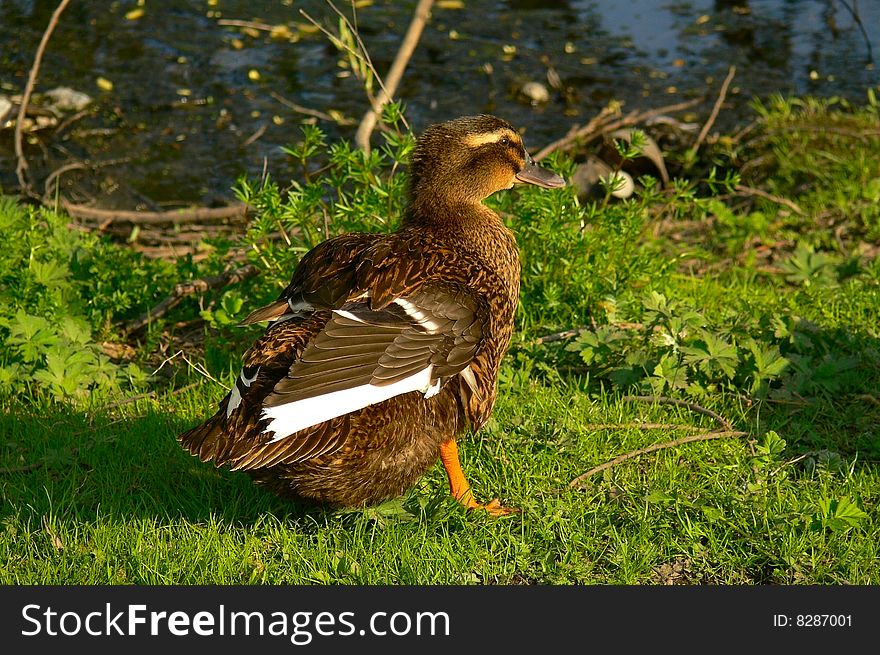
x,y
504,141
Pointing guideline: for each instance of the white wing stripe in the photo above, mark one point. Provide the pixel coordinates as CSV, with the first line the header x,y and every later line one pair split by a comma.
x,y
417,314
349,315
292,417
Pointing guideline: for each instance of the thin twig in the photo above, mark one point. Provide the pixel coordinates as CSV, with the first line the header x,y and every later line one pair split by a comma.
x,y
395,73
299,109
779,200
256,135
599,125
70,120
198,368
340,44
663,400
247,24
793,460
58,172
854,12
640,426
353,28
574,133
641,451
73,166
559,336
21,169
185,289
722,94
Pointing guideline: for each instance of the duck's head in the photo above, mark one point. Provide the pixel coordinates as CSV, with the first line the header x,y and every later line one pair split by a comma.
x,y
467,159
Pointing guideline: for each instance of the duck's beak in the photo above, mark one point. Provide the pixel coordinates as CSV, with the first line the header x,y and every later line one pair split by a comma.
x,y
534,174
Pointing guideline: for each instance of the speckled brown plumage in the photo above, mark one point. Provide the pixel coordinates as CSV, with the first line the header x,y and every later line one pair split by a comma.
x,y
365,311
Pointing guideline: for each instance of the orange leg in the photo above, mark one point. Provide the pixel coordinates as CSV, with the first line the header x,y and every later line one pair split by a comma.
x,y
459,486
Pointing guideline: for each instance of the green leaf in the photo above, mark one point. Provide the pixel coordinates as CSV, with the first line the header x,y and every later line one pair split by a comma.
x,y
669,374
770,448
51,273
75,330
837,515
807,267
11,377
31,335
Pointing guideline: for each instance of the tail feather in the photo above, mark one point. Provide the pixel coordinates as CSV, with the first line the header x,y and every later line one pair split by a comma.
x,y
208,441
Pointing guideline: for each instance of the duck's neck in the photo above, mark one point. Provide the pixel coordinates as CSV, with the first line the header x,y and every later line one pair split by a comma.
x,y
439,212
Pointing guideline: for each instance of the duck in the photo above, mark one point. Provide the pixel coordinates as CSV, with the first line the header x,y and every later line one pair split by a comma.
x,y
385,348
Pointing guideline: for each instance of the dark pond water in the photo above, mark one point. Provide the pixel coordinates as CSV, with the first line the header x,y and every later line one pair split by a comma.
x,y
187,116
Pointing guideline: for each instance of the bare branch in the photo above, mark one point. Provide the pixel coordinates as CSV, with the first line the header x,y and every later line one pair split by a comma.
x,y
779,200
172,217
395,73
640,426
299,109
256,135
21,169
559,336
601,124
246,24
663,400
342,45
185,289
650,449
722,94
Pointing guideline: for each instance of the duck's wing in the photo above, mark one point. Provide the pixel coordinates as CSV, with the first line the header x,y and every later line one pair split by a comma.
x,y
306,376
361,356
324,278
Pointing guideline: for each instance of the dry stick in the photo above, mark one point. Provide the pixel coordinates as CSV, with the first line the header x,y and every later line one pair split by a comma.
x,y
299,109
854,12
21,168
364,53
70,120
247,24
568,334
749,191
256,135
598,125
73,166
185,289
663,400
395,74
577,132
722,94
641,451
193,215
58,172
559,336
640,426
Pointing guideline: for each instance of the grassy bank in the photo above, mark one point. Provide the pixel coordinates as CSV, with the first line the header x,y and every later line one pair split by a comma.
x,y
750,287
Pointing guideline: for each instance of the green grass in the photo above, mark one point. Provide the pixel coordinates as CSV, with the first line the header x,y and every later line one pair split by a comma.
x,y
102,494
129,506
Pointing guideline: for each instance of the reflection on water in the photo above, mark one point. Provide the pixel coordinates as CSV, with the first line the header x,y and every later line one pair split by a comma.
x,y
184,111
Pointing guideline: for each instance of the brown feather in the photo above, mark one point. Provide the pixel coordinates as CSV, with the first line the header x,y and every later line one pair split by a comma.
x,y
270,312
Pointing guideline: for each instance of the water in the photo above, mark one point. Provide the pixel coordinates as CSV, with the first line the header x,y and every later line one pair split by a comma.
x,y
190,148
